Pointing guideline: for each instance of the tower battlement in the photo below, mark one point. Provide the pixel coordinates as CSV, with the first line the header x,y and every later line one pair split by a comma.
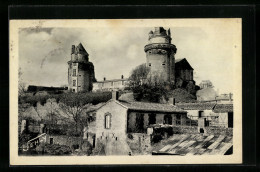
x,y
78,53
160,54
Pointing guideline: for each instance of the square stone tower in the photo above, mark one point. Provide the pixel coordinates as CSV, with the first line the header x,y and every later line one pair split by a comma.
x,y
80,71
160,55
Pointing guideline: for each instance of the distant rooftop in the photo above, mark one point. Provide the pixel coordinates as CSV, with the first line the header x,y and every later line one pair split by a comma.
x,y
111,80
217,108
156,107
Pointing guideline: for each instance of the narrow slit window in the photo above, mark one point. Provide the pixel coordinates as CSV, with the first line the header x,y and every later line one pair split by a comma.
x,y
74,72
107,121
74,82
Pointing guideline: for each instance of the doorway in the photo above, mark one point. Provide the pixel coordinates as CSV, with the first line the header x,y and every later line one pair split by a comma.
x,y
168,119
230,120
152,118
139,122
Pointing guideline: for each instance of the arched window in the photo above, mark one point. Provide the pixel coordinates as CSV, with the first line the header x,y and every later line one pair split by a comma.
x,y
107,120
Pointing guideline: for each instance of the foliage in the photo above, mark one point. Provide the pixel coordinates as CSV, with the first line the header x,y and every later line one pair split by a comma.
x,y
148,87
138,75
182,95
130,136
99,149
85,98
24,137
157,138
55,149
87,148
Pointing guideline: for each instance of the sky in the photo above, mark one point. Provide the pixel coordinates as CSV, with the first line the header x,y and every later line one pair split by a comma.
x,y
44,52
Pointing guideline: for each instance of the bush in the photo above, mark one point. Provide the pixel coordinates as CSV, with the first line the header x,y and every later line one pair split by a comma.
x,y
87,148
99,149
57,149
157,138
130,136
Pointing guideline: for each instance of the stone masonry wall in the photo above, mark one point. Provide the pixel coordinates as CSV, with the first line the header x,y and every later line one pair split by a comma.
x,y
209,130
139,143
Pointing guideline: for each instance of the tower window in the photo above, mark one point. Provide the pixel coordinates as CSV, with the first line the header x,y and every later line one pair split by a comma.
x,y
74,72
150,64
74,82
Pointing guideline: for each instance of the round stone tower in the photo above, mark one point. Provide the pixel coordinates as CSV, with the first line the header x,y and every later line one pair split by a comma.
x,y
80,71
160,55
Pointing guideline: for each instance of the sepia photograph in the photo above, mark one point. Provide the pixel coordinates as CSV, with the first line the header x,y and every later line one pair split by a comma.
x,y
125,91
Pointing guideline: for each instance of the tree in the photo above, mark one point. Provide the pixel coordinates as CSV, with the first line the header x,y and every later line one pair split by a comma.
x,y
76,106
138,75
147,86
21,84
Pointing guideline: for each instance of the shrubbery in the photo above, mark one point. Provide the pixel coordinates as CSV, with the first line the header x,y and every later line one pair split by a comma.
x,y
99,149
55,149
87,148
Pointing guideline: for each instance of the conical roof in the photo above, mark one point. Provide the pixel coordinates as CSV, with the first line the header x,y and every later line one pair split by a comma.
x,y
81,49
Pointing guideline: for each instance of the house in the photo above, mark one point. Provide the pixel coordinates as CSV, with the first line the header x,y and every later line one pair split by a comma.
x,y
111,85
216,114
183,70
116,119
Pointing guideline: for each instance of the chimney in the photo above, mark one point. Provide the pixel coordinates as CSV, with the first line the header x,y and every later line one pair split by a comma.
x,y
104,78
72,49
122,76
115,95
171,101
230,96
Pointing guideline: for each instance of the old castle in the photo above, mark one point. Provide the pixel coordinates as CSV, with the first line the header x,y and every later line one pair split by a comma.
x,y
160,58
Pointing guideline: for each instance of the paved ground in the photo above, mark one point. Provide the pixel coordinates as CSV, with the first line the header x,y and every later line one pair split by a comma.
x,y
117,147
185,144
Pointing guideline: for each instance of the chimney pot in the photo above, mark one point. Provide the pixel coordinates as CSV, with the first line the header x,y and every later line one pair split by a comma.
x,y
73,49
171,101
122,76
115,95
104,78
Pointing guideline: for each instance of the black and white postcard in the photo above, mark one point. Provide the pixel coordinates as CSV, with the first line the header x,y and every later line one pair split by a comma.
x,y
126,91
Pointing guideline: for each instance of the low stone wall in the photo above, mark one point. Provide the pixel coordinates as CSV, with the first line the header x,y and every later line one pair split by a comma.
x,y
139,143
209,130
64,140
219,131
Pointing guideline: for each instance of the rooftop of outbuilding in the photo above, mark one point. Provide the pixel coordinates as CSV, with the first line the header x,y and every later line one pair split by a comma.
x,y
155,107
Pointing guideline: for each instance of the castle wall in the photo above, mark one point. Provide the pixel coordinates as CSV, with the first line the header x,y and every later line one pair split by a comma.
x,y
160,55
83,80
161,64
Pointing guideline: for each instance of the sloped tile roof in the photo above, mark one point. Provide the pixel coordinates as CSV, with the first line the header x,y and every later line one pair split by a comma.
x,y
158,107
196,106
178,60
186,144
221,108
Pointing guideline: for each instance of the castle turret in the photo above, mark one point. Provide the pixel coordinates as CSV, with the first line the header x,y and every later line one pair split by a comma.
x,y
160,54
80,70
